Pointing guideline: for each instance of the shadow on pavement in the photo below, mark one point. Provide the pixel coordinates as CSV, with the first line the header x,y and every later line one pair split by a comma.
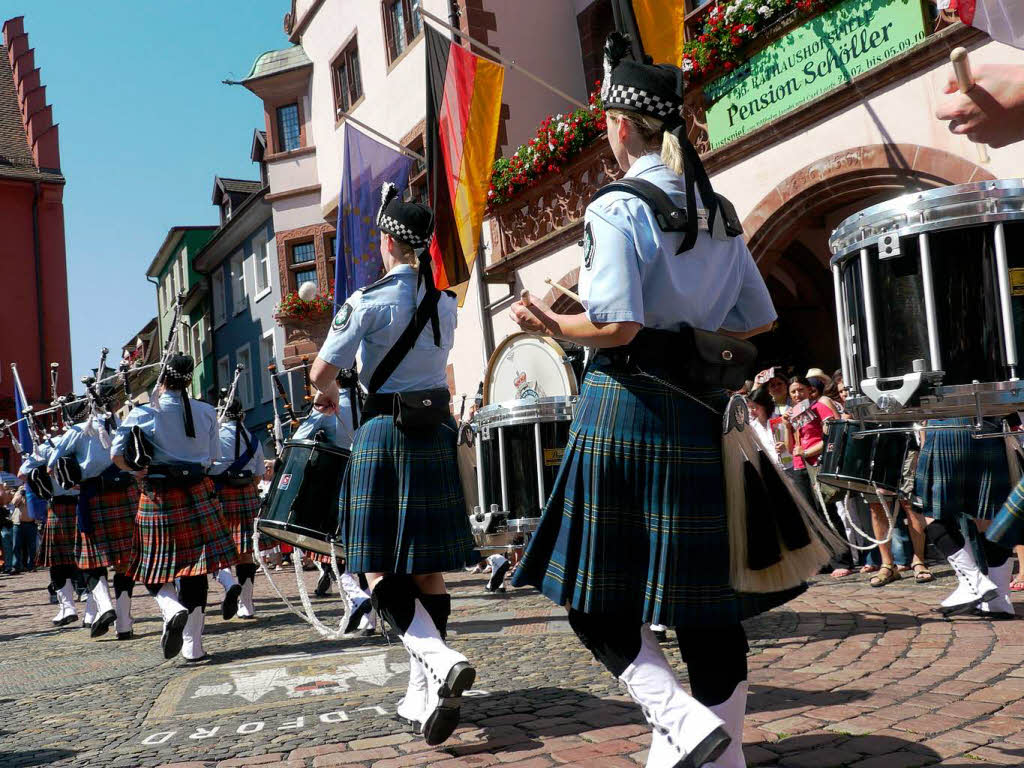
x,y
34,757
766,698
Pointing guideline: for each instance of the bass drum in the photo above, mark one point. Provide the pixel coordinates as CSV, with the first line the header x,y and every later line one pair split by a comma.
x,y
301,507
529,367
870,465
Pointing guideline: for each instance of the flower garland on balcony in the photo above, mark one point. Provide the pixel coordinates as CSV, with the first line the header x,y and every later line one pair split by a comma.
x,y
730,27
293,308
559,139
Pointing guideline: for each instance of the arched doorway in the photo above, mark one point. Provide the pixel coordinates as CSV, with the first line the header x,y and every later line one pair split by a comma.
x,y
788,231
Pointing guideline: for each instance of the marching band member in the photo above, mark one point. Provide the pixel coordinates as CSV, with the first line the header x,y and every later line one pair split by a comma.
x,y
401,510
108,500
235,476
57,551
180,532
635,530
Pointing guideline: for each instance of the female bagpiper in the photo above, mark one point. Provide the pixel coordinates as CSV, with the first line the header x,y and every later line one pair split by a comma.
x,y
180,531
635,529
235,476
402,517
108,500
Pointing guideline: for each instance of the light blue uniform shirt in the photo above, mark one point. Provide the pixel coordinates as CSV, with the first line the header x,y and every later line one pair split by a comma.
x,y
166,430
631,272
85,447
41,458
372,320
227,451
338,429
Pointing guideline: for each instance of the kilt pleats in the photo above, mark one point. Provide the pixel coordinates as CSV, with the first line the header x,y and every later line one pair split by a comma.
x,y
958,475
635,525
240,506
401,507
113,523
59,533
180,531
1007,529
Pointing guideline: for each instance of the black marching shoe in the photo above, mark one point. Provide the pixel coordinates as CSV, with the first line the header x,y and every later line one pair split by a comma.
x,y
497,581
444,719
323,584
102,624
129,635
229,607
357,614
171,640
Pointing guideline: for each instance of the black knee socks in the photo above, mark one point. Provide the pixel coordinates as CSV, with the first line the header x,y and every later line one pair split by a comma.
x,y
716,659
245,572
93,576
944,538
59,574
122,583
440,608
192,592
995,555
614,643
394,598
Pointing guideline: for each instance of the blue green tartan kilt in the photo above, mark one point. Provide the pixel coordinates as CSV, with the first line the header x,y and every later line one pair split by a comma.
x,y
1007,529
636,524
958,475
401,508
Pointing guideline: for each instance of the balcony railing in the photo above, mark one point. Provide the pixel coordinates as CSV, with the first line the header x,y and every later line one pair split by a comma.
x,y
548,216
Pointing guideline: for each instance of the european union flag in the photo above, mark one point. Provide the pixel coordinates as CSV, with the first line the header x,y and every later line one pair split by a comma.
x,y
367,164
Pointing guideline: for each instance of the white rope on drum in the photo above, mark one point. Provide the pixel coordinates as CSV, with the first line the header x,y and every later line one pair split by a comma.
x,y
890,515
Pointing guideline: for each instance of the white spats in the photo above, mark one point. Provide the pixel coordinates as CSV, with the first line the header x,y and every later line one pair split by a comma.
x,y
66,605
973,586
680,723
362,617
1001,606
246,607
226,578
499,568
192,636
413,706
90,609
167,600
101,594
732,711
123,606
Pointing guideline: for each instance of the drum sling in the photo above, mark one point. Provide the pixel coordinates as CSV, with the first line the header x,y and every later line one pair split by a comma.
x,y
233,476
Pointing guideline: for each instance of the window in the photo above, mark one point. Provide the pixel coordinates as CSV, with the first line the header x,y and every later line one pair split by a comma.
x,y
402,24
695,17
223,372
288,128
197,341
244,390
238,283
182,272
346,78
219,310
416,191
305,276
261,260
266,358
303,252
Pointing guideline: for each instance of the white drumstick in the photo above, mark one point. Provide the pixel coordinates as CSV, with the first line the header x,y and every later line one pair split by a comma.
x,y
964,78
574,296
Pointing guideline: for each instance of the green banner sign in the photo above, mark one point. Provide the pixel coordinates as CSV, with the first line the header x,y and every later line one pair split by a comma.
x,y
827,51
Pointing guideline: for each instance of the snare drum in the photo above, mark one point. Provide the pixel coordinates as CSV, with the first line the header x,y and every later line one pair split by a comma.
x,y
301,507
870,465
930,303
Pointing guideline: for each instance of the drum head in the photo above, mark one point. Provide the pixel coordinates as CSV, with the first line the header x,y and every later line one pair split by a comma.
x,y
528,367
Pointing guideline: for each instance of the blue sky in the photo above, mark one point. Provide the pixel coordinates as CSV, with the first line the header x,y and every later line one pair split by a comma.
x,y
145,123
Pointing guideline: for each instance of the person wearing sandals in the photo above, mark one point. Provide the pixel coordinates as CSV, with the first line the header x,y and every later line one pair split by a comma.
x,y
401,514
634,532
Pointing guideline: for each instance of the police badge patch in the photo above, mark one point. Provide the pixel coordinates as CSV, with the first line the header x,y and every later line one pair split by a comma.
x,y
341,319
588,246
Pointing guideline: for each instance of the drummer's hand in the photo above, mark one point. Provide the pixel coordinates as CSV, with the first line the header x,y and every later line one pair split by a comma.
x,y
532,315
326,400
992,112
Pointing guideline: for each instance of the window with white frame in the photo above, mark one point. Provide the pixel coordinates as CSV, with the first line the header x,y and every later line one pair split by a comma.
x,y
197,341
244,392
223,372
238,283
219,310
261,261
266,358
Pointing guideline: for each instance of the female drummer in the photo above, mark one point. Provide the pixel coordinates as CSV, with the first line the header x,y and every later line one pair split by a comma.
x,y
402,514
180,531
635,531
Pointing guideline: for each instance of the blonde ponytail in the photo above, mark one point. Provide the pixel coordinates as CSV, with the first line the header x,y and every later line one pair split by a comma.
x,y
653,132
672,152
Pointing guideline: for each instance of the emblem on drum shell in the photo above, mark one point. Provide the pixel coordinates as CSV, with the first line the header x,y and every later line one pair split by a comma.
x,y
284,482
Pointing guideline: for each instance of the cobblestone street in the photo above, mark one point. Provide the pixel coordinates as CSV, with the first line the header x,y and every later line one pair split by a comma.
x,y
844,676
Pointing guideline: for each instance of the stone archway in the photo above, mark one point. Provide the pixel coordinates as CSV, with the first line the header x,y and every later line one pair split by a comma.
x,y
787,232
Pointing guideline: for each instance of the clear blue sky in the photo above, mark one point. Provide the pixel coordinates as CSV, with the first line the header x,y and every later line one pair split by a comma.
x,y
145,124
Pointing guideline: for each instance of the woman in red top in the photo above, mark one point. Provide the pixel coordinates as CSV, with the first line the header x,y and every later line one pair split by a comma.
x,y
807,420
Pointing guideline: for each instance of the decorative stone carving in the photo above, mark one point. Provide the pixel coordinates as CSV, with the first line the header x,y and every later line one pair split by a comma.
x,y
303,337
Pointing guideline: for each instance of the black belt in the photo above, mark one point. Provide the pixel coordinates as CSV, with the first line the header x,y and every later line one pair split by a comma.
x,y
175,475
385,403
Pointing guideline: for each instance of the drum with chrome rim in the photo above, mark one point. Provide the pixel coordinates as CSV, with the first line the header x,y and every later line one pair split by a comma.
x,y
930,303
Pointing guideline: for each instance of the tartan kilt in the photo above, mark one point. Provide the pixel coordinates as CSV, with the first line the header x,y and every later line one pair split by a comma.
x,y
240,506
180,531
58,547
636,524
1007,530
401,507
958,475
113,525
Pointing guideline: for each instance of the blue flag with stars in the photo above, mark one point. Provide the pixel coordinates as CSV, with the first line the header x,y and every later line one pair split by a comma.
x,y
366,165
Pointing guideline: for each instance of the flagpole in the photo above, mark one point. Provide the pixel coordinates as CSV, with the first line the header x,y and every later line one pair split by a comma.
x,y
404,150
510,63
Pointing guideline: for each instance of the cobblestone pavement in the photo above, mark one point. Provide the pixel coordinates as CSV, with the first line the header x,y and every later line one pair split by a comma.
x,y
845,675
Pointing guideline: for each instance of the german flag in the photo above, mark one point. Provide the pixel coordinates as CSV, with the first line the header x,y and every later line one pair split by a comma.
x,y
463,112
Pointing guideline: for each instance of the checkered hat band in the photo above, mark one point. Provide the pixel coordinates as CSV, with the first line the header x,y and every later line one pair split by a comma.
x,y
638,100
397,229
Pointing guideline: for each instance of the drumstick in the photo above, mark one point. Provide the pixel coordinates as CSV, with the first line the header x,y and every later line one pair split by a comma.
x,y
574,296
965,80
